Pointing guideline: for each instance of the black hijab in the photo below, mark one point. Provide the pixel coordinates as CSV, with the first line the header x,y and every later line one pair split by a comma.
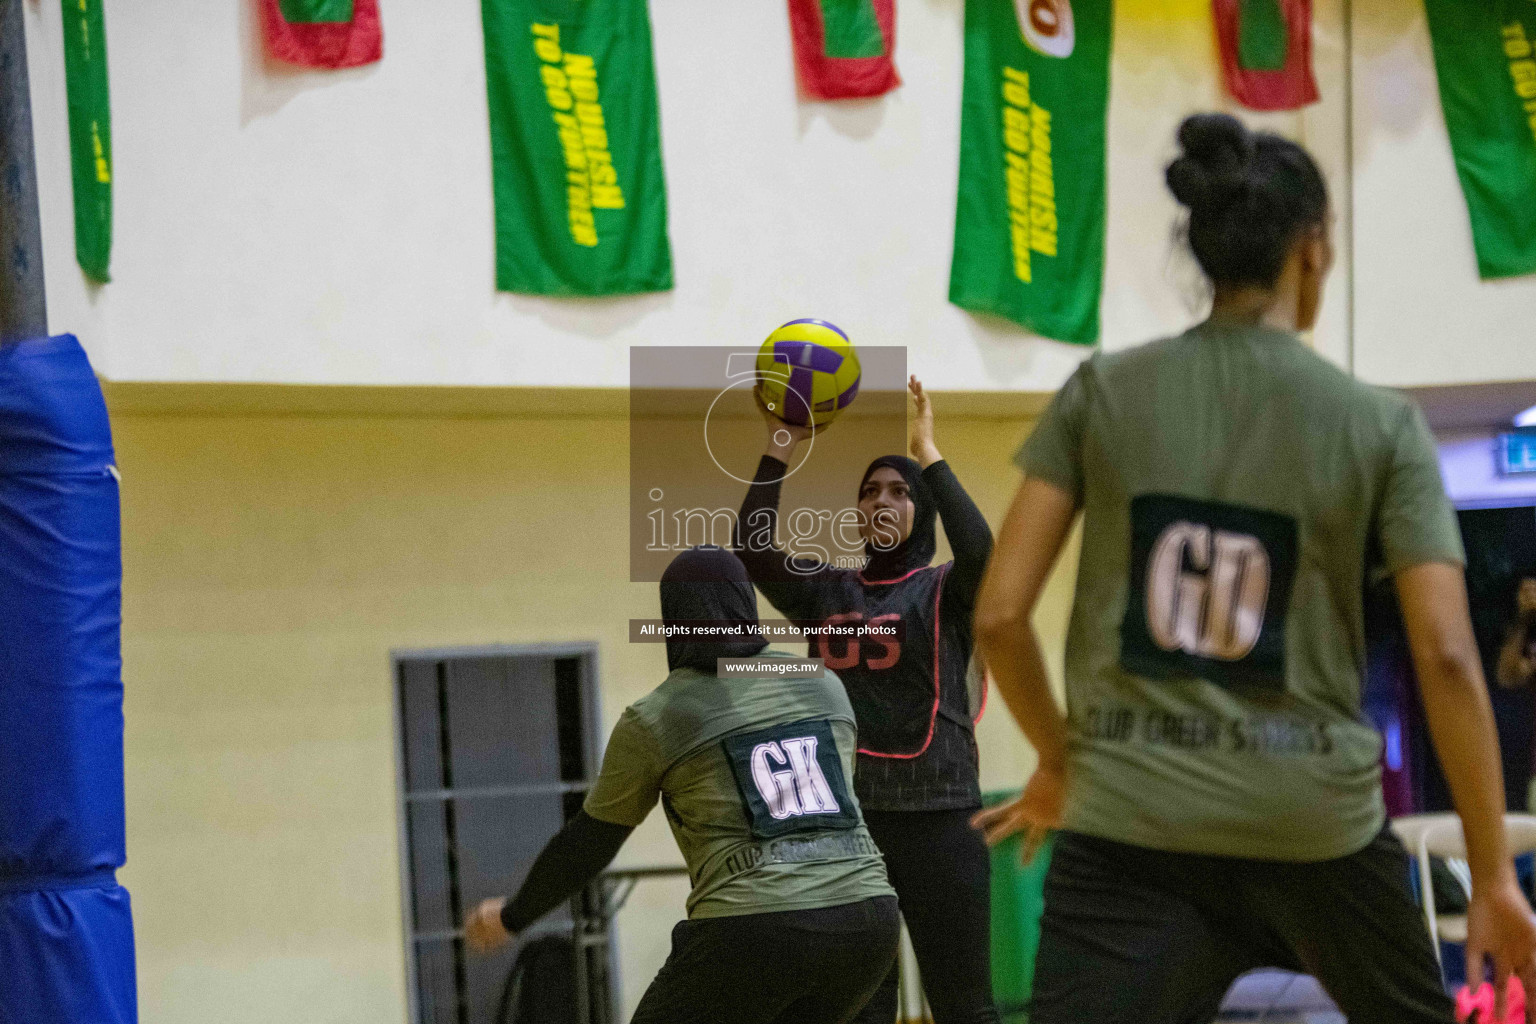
x,y
917,550
709,585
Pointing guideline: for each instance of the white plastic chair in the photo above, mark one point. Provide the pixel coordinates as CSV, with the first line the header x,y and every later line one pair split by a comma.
x,y
1411,826
1440,835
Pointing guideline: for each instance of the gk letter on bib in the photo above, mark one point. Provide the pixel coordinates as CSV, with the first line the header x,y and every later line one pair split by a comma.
x,y
1029,221
1209,590
581,202
791,779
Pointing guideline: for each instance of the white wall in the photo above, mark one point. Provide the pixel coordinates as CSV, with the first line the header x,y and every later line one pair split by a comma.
x,y
1423,315
283,226
271,561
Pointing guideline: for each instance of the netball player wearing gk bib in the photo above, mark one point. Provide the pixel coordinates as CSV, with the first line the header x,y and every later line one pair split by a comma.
x,y
1219,790
914,696
791,919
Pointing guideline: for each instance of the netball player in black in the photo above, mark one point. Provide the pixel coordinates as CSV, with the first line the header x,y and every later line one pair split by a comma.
x,y
915,699
1217,787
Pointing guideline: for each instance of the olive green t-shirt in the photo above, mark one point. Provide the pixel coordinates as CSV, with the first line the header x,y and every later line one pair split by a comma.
x,y
1236,490
753,773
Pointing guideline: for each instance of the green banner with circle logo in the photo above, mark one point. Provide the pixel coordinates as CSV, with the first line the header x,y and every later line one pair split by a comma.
x,y
1029,222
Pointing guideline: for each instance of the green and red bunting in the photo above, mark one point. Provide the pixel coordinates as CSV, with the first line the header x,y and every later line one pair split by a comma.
x,y
1485,57
844,48
1029,223
1266,52
309,12
581,201
317,41
90,134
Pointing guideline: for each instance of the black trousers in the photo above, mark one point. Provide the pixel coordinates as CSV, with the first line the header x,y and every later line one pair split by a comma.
x,y
939,866
793,967
1137,935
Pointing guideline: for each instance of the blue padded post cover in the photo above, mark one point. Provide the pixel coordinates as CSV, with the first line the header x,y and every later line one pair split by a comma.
x,y
66,932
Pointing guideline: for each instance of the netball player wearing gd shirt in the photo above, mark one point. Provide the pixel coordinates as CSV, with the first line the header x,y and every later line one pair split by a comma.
x,y
1218,788
916,775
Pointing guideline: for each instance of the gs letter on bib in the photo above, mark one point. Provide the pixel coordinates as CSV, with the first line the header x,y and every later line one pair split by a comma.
x,y
791,779
1210,587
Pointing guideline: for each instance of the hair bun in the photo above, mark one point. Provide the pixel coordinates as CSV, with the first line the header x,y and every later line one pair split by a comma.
x,y
1217,154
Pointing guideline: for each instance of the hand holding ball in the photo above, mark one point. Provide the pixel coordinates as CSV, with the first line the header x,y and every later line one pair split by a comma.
x,y
807,372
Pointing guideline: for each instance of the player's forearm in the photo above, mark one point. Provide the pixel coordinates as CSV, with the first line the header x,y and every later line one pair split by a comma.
x,y
1012,655
781,447
1514,669
1461,726
573,858
757,522
970,538
1028,544
1509,667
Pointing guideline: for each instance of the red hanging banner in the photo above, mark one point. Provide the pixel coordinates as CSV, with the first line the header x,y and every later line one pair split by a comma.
x,y
339,44
1266,52
844,49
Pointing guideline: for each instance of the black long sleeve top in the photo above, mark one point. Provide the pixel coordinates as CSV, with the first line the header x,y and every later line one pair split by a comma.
x,y
573,857
916,700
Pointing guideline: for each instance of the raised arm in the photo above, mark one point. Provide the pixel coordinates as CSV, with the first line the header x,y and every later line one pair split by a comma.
x,y
781,576
1455,696
757,524
970,538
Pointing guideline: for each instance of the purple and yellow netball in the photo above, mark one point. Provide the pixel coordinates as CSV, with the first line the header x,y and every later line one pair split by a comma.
x,y
808,372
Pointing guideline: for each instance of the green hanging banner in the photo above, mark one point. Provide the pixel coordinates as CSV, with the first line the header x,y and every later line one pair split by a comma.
x,y
310,12
1486,64
581,201
1029,223
90,134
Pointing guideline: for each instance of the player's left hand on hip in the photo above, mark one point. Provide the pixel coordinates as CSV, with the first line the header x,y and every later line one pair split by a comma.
x,y
483,929
1034,813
